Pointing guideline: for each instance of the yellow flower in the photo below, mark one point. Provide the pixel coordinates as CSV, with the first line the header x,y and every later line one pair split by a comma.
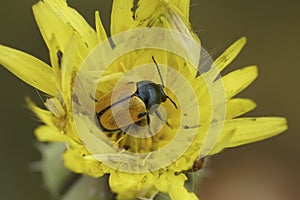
x,y
204,123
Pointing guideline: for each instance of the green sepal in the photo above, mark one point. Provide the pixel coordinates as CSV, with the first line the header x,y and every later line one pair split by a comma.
x,y
54,174
65,185
89,188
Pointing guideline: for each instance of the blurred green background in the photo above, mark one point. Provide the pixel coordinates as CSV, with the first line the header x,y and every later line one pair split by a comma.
x,y
264,170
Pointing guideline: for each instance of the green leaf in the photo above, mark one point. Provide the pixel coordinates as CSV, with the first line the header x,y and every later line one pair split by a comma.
x,y
55,175
65,185
89,188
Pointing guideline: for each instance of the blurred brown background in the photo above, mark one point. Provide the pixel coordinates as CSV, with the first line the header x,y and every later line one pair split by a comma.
x,y
265,170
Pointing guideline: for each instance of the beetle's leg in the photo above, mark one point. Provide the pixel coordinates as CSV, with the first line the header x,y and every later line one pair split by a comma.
x,y
93,98
148,119
119,133
159,117
149,127
142,114
126,129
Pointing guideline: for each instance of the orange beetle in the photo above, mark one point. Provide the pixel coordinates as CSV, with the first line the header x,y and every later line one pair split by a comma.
x,y
139,99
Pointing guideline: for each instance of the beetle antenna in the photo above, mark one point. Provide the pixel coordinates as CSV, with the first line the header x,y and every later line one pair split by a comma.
x,y
157,67
172,102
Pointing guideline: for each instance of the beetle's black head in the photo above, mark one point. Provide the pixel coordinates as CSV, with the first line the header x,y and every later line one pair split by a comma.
x,y
151,93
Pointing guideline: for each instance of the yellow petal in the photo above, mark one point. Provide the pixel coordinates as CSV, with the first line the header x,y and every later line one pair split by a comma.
x,y
148,8
70,16
55,59
223,140
183,6
238,106
51,25
248,130
148,11
68,69
53,50
29,69
74,160
131,186
180,164
121,16
174,185
101,34
55,107
238,80
55,17
50,134
174,19
165,14
230,54
42,114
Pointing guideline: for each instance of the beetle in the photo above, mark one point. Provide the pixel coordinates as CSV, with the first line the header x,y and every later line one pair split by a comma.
x,y
139,99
